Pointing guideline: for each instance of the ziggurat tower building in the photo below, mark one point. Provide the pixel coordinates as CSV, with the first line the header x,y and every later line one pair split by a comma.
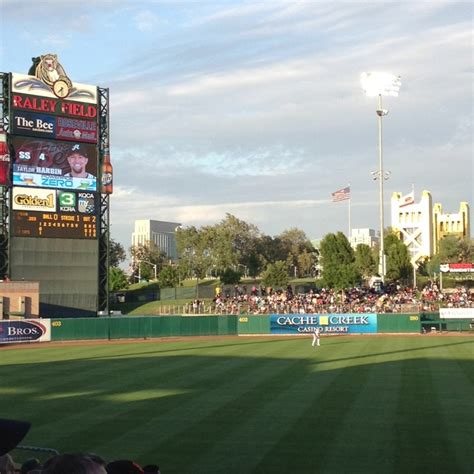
x,y
420,226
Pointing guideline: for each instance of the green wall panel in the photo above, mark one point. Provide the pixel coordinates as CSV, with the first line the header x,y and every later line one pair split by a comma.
x,y
70,329
254,324
394,322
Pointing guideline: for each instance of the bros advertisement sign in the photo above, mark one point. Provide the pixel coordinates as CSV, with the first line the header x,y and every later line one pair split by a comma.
x,y
41,212
49,126
53,164
25,330
327,323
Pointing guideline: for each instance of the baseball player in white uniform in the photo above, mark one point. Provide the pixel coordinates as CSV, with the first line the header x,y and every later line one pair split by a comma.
x,y
316,337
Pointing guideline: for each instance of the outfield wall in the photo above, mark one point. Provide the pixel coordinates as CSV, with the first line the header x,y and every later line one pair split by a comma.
x,y
143,327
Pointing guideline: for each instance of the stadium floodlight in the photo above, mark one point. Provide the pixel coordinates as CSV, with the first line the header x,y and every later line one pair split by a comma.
x,y
378,84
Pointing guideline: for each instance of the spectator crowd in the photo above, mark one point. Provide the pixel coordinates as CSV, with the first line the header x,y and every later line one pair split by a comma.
x,y
393,299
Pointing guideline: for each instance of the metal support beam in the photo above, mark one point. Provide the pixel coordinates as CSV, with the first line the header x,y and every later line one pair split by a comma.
x,y
5,85
104,222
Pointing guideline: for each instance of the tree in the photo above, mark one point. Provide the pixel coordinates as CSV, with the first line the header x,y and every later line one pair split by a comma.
x,y
254,264
229,277
299,253
466,250
276,275
337,258
449,249
452,249
364,260
144,257
398,258
117,253
432,265
168,277
234,241
117,279
195,250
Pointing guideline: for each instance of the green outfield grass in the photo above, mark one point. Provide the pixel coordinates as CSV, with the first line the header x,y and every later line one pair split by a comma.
x,y
400,404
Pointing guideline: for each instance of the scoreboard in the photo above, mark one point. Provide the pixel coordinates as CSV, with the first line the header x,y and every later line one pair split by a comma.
x,y
38,212
54,224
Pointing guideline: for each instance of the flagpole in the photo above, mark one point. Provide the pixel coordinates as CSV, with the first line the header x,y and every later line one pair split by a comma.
x,y
349,206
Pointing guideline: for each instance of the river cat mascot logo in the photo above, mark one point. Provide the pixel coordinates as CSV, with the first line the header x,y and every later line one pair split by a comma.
x,y
50,76
47,69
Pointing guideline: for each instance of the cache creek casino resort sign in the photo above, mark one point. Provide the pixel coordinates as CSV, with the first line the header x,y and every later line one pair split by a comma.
x,y
327,323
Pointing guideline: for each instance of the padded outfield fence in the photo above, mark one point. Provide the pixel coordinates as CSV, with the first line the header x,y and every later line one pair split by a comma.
x,y
144,327
147,327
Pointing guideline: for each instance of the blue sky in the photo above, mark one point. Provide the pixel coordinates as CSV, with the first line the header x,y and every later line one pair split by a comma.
x,y
256,109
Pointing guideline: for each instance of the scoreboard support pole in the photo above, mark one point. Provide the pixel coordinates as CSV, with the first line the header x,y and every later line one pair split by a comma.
x,y
104,221
4,190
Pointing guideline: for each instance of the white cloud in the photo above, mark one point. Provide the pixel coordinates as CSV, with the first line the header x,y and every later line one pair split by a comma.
x,y
145,21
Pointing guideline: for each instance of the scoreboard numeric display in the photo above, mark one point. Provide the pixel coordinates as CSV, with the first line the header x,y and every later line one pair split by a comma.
x,y
54,224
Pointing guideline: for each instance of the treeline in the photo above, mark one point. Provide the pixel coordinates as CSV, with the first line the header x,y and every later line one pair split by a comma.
x,y
233,248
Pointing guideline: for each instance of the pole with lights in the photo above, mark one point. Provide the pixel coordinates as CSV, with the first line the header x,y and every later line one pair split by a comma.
x,y
378,84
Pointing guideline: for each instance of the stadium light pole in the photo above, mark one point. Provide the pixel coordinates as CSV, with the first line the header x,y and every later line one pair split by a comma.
x,y
378,84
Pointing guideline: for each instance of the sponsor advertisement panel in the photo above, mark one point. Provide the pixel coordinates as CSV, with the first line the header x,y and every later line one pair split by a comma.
x,y
53,164
457,267
49,126
456,313
54,213
327,323
4,160
25,330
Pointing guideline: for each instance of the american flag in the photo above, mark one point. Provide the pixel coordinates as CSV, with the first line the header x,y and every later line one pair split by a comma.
x,y
342,194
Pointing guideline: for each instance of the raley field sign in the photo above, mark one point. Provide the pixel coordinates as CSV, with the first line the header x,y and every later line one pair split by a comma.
x,y
53,106
327,323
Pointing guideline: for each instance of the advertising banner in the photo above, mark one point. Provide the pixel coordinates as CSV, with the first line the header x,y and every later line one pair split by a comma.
x,y
35,125
4,160
456,313
49,126
53,164
457,267
54,213
25,330
34,199
327,323
24,84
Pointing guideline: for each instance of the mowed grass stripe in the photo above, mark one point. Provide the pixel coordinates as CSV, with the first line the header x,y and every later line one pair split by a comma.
x,y
455,410
422,441
213,396
195,381
305,444
365,436
126,377
266,420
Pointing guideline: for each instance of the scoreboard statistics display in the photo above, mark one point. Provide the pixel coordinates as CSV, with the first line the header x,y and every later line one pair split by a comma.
x,y
54,213
45,224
